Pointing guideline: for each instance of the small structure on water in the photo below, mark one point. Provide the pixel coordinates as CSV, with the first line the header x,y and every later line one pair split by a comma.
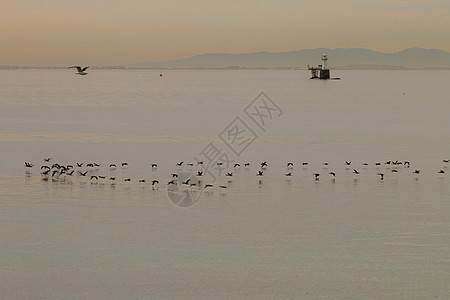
x,y
321,71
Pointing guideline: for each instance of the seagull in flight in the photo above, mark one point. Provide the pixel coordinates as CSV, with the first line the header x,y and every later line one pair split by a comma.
x,y
81,71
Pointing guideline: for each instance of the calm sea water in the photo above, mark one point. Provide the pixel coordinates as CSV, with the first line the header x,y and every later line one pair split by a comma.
x,y
354,236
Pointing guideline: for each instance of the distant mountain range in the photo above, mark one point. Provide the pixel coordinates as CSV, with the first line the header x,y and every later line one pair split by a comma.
x,y
340,58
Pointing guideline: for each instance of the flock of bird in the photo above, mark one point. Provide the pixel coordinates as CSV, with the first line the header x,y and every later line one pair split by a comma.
x,y
92,172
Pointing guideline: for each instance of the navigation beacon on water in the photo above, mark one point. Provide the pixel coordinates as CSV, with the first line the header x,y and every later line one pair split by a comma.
x,y
321,71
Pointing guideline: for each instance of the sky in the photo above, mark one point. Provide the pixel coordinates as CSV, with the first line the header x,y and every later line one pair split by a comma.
x,y
113,32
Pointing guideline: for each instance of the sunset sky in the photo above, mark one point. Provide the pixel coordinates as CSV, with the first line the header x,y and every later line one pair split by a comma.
x,y
113,32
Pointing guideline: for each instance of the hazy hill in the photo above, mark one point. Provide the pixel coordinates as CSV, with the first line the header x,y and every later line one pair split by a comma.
x,y
340,57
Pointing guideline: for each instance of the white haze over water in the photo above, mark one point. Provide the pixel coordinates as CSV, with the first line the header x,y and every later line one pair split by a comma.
x,y
357,237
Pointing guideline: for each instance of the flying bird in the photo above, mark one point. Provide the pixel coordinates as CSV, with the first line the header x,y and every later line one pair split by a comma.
x,y
81,71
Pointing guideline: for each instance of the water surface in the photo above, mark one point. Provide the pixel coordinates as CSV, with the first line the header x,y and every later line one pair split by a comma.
x,y
354,237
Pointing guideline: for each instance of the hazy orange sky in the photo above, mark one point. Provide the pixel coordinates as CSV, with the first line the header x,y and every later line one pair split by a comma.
x,y
113,32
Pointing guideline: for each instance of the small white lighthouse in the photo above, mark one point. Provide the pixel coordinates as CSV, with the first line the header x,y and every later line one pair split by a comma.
x,y
324,61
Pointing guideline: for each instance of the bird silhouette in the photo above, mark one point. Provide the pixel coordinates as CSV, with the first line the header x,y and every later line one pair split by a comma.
x,y
81,71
